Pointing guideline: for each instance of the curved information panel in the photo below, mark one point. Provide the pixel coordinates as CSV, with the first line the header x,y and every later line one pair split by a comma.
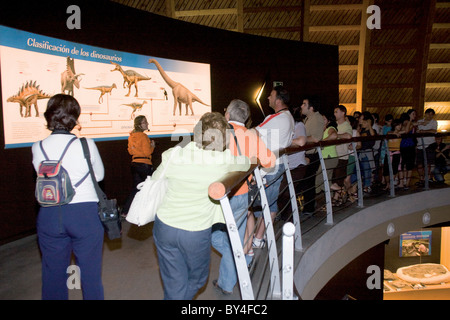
x,y
112,87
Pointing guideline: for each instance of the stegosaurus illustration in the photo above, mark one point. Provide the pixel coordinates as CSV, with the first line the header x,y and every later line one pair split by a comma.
x,y
27,96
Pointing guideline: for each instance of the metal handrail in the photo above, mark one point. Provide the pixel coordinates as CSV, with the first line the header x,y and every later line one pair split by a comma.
x,y
226,186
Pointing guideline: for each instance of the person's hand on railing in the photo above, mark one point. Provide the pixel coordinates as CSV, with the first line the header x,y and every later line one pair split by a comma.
x,y
300,141
344,135
255,160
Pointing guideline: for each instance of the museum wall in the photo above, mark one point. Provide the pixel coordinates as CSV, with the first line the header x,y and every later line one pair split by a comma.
x,y
240,64
351,281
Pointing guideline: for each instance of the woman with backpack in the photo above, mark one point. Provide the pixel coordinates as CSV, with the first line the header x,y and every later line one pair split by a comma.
x,y
74,227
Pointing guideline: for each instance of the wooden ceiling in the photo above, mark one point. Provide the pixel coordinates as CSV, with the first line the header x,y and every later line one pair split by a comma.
x,y
403,64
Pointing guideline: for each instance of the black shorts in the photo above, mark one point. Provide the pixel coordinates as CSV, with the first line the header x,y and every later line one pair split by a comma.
x,y
431,155
408,157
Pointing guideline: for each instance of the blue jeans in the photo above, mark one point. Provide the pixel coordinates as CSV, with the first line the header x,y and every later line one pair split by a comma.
x,y
272,188
61,230
440,171
183,258
221,242
366,171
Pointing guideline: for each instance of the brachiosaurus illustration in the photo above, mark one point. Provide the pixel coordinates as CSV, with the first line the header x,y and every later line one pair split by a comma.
x,y
130,77
181,94
135,106
103,90
28,95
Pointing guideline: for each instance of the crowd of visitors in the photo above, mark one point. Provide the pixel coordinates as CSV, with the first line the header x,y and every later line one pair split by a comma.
x,y
189,222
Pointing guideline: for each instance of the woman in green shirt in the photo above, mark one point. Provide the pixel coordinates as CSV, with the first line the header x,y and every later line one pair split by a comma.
x,y
182,228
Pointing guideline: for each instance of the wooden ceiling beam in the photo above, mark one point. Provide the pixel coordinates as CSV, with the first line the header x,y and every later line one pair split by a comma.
x,y
206,12
355,27
391,66
348,86
272,30
441,25
423,48
438,46
442,5
364,44
400,26
438,85
336,7
349,47
390,85
240,15
305,20
272,9
438,65
399,4
170,8
389,46
381,105
348,67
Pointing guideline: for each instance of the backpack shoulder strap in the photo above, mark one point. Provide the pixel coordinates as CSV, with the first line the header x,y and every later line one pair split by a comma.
x,y
101,195
43,151
67,147
76,185
63,153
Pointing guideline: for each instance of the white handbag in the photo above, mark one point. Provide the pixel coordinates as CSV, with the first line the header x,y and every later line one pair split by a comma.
x,y
148,199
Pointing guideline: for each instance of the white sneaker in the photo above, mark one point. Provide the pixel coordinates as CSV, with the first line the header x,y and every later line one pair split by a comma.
x,y
258,243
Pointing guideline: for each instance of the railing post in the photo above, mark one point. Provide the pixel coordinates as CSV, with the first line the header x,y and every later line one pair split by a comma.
x,y
294,204
288,261
275,285
391,171
327,188
245,283
358,177
425,166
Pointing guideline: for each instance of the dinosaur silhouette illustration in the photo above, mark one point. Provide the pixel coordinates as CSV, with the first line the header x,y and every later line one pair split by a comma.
x,y
130,77
180,93
69,78
135,106
103,90
27,96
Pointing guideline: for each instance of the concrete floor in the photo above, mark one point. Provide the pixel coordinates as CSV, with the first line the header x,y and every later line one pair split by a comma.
x,y
130,269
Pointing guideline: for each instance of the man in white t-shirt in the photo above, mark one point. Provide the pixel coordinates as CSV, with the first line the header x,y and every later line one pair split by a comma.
x,y
426,125
314,125
277,131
